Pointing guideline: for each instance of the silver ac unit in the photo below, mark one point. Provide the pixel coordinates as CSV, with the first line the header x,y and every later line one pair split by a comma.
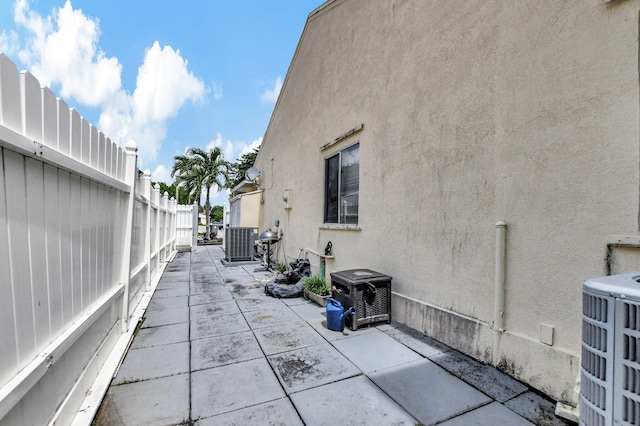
x,y
610,368
239,243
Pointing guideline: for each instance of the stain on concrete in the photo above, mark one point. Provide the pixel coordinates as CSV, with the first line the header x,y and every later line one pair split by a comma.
x,y
537,409
298,369
222,350
108,414
213,308
263,318
308,367
239,290
284,338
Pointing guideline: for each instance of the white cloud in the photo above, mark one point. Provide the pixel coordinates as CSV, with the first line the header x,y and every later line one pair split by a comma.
x,y
228,148
164,84
232,151
249,148
62,49
271,95
161,174
9,42
217,90
215,142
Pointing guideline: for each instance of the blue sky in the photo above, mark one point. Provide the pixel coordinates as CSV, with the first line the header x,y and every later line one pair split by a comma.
x,y
168,74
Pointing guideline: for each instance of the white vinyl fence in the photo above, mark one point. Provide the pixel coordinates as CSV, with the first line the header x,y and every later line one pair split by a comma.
x,y
83,239
187,226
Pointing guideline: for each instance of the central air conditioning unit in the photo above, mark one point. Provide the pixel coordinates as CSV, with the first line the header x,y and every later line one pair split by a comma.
x,y
610,368
239,243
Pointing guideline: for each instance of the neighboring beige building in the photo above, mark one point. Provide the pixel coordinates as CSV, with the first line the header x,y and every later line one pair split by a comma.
x,y
456,116
245,208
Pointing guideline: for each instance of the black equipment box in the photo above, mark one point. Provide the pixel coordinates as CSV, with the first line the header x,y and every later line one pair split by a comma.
x,y
367,291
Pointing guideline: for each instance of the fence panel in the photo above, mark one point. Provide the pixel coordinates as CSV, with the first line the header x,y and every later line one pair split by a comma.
x,y
49,120
10,111
71,255
30,98
138,276
8,355
152,231
52,246
34,174
19,271
186,226
65,243
76,245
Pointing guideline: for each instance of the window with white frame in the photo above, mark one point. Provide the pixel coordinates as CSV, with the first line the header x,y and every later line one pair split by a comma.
x,y
342,184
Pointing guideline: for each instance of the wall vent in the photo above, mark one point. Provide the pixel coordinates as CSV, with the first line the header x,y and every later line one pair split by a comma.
x,y
610,367
239,243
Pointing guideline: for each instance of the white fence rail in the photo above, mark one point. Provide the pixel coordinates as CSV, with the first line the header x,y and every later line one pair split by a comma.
x,y
83,236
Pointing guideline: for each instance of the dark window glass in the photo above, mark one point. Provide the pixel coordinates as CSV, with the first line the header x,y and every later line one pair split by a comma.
x,y
342,184
331,189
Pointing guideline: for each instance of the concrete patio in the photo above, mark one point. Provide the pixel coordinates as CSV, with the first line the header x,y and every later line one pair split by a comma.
x,y
213,349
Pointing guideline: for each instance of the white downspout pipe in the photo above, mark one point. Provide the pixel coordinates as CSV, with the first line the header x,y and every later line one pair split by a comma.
x,y
499,286
498,307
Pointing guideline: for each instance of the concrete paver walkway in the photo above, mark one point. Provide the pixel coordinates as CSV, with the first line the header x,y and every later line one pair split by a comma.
x,y
215,350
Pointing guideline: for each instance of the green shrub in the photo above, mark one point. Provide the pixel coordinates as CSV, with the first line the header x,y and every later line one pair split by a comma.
x,y
318,285
282,267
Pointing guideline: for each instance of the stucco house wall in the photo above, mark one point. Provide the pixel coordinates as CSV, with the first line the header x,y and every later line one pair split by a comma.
x,y
472,112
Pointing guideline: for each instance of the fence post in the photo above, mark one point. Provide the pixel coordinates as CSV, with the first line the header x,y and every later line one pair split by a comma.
x,y
146,192
174,224
125,273
156,237
165,209
194,226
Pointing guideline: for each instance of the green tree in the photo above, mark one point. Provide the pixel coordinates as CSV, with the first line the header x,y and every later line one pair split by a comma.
x,y
201,170
217,213
240,167
185,197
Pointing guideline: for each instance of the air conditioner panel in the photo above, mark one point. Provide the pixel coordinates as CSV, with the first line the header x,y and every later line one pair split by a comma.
x,y
239,243
627,362
597,343
610,365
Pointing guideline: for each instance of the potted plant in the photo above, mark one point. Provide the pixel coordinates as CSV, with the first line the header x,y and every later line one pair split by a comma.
x,y
317,289
282,268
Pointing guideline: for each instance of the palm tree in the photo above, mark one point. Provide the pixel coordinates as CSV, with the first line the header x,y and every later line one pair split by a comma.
x,y
183,174
199,169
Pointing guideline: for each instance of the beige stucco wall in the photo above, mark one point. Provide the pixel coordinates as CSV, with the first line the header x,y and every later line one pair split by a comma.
x,y
474,112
